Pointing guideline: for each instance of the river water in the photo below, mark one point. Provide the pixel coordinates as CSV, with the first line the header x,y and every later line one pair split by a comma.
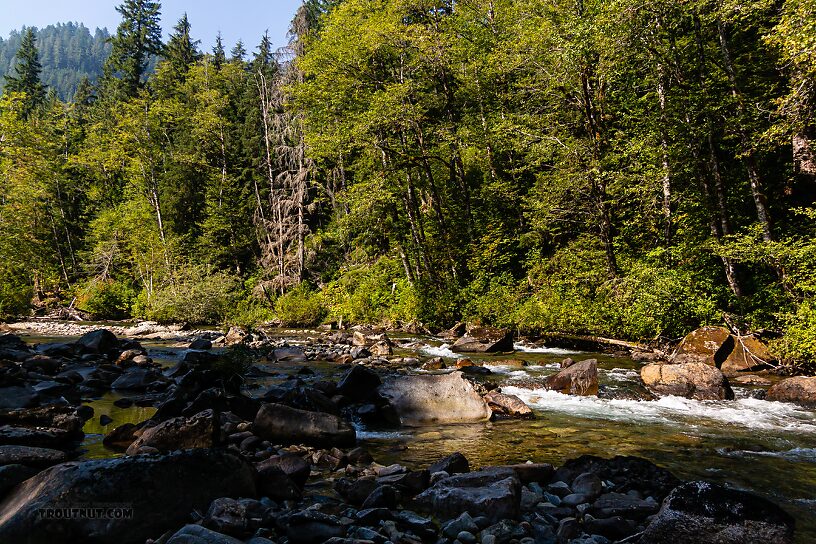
x,y
768,448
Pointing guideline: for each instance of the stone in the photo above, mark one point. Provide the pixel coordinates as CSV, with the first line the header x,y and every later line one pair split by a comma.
x,y
381,349
359,456
588,484
494,494
614,528
484,340
359,383
40,437
313,527
452,464
355,491
274,483
196,534
617,504
508,405
436,363
135,379
199,431
284,425
624,473
105,420
12,475
294,466
235,517
799,389
120,438
30,456
707,345
749,354
99,341
162,490
577,379
42,364
235,335
751,379
200,344
18,396
702,512
447,398
383,496
462,523
695,380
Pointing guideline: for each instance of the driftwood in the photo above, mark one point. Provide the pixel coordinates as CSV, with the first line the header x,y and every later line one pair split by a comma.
x,y
577,340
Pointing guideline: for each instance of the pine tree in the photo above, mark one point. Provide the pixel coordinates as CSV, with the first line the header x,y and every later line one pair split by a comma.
x,y
27,74
137,38
219,55
181,50
238,52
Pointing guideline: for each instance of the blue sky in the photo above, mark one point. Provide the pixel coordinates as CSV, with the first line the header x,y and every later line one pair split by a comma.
x,y
244,19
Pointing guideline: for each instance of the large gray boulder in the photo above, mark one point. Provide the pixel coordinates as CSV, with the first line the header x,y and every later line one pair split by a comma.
x,y
484,340
446,398
159,491
494,493
284,425
691,380
706,513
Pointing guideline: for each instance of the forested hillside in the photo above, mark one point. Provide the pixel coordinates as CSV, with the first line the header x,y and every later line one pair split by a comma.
x,y
618,168
68,53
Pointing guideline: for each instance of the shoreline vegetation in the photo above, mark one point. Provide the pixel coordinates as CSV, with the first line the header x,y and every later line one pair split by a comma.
x,y
605,169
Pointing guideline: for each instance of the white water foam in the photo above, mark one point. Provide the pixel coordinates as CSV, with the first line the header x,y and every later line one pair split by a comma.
x,y
440,351
543,349
748,413
807,455
379,435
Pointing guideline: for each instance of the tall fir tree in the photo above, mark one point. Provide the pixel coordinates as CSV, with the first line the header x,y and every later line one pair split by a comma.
x,y
219,55
181,50
26,78
137,38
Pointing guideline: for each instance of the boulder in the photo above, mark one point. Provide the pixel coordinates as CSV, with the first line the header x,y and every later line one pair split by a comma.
x,y
508,405
196,534
358,383
618,504
160,493
120,438
294,466
452,464
799,389
284,425
200,344
749,354
691,380
577,379
30,456
18,396
484,340
446,398
493,493
235,335
708,345
702,513
135,379
98,341
624,473
12,475
178,433
274,483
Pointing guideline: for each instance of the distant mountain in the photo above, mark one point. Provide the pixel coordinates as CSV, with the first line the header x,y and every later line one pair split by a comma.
x,y
68,52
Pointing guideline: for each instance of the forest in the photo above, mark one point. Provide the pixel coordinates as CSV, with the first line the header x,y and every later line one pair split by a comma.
x,y
602,167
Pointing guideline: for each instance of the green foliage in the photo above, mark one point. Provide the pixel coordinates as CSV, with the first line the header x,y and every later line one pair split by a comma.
x,y
107,299
193,295
300,307
798,347
15,296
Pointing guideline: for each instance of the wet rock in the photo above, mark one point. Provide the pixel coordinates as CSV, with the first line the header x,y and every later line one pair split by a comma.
x,y
508,405
628,506
284,425
454,463
494,493
702,513
706,345
120,438
383,496
751,379
105,420
313,527
694,380
359,456
99,341
42,364
279,481
409,483
455,526
200,344
199,431
484,340
359,383
799,389
37,437
642,356
196,534
355,491
290,354
577,379
236,517
587,484
437,363
162,491
447,398
30,456
12,475
624,473
135,379
18,396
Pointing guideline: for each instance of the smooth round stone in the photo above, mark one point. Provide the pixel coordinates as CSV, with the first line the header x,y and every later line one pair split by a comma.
x,y
466,538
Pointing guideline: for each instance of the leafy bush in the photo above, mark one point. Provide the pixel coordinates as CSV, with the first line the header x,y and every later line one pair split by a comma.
x,y
249,313
106,299
15,297
798,347
193,296
300,307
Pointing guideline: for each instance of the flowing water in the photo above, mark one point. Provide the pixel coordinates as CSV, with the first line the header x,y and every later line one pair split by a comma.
x,y
768,448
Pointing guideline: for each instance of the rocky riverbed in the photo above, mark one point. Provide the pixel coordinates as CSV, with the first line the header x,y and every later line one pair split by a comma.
x,y
358,436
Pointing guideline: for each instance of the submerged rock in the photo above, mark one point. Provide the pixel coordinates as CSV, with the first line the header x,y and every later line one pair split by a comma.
x,y
691,380
484,340
508,405
704,513
159,491
577,379
799,389
446,398
284,425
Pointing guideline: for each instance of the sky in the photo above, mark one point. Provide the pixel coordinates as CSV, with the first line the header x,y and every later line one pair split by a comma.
x,y
244,19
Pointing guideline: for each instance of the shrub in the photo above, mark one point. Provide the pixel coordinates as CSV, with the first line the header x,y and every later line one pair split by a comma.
x,y
106,299
798,347
15,297
193,296
300,307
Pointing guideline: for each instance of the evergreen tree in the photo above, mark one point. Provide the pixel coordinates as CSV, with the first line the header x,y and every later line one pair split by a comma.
x,y
137,38
238,52
26,78
219,55
181,50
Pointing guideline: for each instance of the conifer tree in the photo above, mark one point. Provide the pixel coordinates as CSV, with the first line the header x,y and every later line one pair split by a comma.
x,y
137,38
219,55
181,50
27,74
